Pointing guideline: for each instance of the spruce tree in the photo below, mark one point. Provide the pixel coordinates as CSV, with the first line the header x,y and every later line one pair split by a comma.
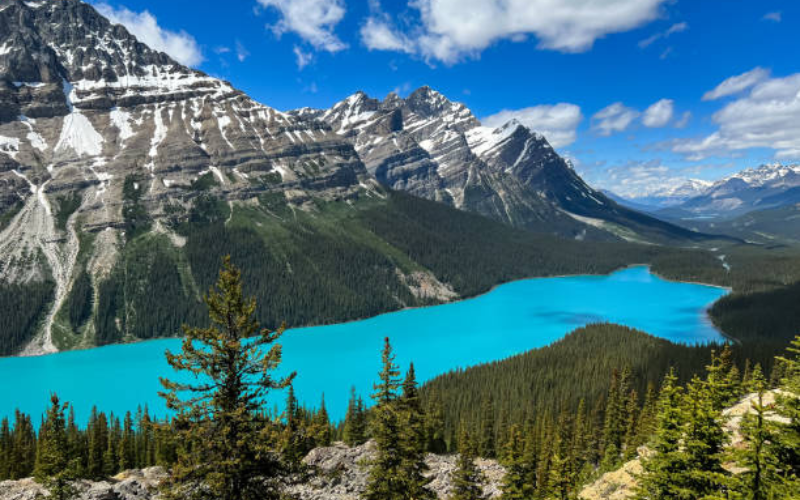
x,y
385,480
704,440
760,478
663,471
486,446
788,408
355,422
413,439
220,421
467,479
515,485
54,468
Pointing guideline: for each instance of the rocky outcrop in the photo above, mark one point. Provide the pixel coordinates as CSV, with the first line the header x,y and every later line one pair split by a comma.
x,y
337,472
621,483
129,485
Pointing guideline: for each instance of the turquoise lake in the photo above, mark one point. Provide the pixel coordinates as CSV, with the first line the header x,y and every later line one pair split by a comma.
x,y
510,319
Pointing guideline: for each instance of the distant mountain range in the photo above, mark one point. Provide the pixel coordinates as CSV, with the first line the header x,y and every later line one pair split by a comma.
x,y
124,175
761,188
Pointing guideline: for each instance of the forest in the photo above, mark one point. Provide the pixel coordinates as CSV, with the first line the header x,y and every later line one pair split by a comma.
x,y
591,401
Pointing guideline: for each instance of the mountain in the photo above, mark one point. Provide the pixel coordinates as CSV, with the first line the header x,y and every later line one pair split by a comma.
x,y
435,148
772,226
662,197
764,187
125,177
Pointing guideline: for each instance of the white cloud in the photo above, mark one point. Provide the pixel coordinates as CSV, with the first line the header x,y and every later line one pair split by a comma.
x,y
613,118
767,117
634,179
313,20
450,30
684,119
772,16
659,113
736,84
303,58
377,34
180,45
558,122
675,28
241,51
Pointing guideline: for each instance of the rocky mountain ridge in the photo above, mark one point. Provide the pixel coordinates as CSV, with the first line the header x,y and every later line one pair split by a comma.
x,y
435,148
760,188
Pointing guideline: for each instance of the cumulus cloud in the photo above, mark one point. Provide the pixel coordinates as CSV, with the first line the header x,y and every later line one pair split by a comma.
x,y
450,30
767,117
772,16
180,45
303,58
736,84
378,34
613,118
558,122
675,28
312,20
659,113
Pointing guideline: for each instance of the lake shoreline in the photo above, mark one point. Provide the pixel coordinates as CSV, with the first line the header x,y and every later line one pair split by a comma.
x,y
411,308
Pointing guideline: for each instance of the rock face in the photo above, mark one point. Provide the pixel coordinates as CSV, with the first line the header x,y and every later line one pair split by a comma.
x,y
437,149
85,107
130,485
341,473
334,473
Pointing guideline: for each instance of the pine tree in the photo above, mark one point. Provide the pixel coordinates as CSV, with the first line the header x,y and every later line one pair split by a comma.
x,y
220,422
54,469
704,440
127,459
663,472
385,480
467,479
515,485
413,442
354,432
760,478
321,426
434,425
788,407
486,447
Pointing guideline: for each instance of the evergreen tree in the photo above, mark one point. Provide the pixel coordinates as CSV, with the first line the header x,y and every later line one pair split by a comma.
x,y
127,459
663,472
54,469
760,478
385,480
220,422
413,440
704,440
486,447
434,425
355,422
515,485
321,426
788,407
467,479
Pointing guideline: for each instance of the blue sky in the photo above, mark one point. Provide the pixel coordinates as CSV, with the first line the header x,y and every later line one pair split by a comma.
x,y
639,93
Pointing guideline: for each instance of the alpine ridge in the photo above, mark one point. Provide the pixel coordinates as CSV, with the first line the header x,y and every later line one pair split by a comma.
x,y
434,148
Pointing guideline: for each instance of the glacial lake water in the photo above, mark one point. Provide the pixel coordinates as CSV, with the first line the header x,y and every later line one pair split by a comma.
x,y
510,319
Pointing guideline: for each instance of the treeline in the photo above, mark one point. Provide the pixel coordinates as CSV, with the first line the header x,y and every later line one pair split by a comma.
x,y
28,302
542,382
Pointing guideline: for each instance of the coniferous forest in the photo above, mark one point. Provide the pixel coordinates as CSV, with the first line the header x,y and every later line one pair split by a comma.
x,y
592,401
